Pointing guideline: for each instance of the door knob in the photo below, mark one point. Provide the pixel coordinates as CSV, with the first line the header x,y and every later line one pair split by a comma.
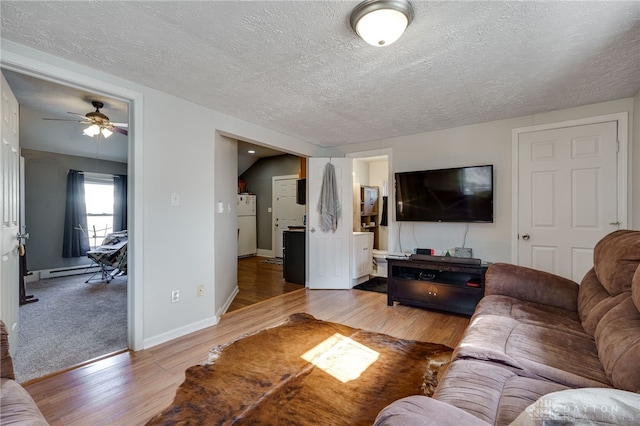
x,y
525,236
312,230
21,237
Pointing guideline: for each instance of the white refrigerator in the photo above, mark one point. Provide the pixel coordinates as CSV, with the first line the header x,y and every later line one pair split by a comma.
x,y
247,238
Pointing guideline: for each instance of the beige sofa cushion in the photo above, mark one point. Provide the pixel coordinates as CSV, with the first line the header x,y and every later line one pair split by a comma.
x,y
418,410
530,349
618,341
18,408
490,392
530,313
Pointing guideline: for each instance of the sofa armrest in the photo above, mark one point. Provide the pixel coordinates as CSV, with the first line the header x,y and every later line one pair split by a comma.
x,y
6,363
531,285
420,410
17,407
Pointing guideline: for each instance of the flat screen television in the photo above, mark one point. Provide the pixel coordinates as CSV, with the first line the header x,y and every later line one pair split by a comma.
x,y
462,194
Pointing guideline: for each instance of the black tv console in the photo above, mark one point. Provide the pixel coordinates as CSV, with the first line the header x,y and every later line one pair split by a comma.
x,y
447,286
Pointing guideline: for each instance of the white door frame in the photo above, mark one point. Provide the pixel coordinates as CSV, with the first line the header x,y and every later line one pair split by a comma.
x,y
273,206
42,70
622,168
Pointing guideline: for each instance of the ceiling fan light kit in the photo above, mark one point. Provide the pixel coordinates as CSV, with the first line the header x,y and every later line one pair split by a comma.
x,y
99,120
95,130
381,22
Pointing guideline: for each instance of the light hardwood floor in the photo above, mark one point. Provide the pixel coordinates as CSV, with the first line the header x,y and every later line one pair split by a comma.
x,y
258,281
129,388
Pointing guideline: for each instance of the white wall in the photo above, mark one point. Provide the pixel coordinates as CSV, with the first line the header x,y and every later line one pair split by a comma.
x,y
484,143
178,240
173,149
226,248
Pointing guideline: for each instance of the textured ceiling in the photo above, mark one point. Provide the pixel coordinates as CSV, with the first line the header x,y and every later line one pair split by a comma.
x,y
297,67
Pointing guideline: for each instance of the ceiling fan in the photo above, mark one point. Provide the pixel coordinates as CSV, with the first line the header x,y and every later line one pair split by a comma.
x,y
98,122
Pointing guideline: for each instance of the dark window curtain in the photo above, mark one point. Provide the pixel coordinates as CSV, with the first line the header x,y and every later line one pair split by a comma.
x,y
75,242
119,203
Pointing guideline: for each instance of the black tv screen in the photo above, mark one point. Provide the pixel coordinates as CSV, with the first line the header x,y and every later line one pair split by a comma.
x,y
463,194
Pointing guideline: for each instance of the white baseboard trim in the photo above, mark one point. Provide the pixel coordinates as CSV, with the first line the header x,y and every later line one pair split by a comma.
x,y
179,332
360,280
266,253
226,305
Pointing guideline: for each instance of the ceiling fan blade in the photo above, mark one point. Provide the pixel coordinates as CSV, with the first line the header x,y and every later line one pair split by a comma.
x,y
64,119
120,124
78,114
119,130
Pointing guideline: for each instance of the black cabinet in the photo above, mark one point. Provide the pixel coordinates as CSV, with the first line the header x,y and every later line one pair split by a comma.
x,y
294,256
452,287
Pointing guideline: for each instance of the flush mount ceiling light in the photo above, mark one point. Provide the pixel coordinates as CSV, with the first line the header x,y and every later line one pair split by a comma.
x,y
381,22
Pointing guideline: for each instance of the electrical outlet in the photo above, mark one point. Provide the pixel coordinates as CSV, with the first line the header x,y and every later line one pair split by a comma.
x,y
175,296
200,290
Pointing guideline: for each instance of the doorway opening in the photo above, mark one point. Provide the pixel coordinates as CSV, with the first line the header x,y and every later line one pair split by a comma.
x,y
373,201
65,285
264,208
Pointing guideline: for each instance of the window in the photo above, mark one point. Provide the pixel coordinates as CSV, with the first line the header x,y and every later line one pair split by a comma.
x,y
98,192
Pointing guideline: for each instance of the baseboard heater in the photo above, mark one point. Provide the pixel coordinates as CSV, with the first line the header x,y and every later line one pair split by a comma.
x,y
63,272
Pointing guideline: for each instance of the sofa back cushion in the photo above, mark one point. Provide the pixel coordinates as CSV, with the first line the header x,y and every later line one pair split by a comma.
x,y
615,259
593,301
635,288
6,363
618,340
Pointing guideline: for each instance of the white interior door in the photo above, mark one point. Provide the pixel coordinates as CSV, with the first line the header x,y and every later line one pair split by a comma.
x,y
329,258
567,196
286,212
10,160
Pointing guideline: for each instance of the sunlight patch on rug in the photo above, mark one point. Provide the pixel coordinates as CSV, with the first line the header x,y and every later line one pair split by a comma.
x,y
341,357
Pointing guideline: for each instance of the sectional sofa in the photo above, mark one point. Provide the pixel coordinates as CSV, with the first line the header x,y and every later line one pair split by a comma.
x,y
541,349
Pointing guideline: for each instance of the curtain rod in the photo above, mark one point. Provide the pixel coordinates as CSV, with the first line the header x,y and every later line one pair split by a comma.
x,y
98,173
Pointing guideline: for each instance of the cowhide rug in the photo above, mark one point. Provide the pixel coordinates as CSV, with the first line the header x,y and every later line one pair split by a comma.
x,y
304,372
